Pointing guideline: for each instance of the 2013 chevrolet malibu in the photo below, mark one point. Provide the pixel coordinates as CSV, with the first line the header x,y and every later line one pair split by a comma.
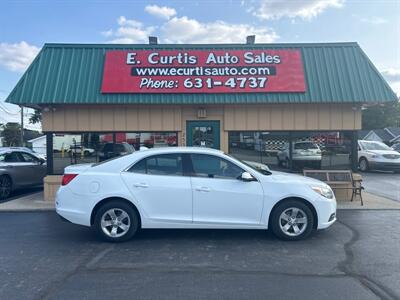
x,y
178,187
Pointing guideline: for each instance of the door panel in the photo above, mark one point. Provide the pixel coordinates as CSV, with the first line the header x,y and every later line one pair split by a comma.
x,y
203,134
35,170
162,198
157,182
18,169
228,201
219,196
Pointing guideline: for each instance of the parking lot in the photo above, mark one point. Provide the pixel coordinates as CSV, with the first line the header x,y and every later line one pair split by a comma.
x,y
385,184
42,257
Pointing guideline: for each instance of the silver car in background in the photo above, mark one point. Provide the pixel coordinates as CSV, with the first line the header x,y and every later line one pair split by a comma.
x,y
19,168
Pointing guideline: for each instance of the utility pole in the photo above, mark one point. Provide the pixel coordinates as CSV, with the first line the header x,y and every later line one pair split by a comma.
x,y
22,126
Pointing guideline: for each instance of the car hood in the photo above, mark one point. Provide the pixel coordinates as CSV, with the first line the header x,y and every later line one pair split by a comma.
x,y
77,169
383,152
294,178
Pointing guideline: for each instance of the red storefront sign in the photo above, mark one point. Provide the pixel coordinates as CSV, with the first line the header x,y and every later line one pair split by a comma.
x,y
203,71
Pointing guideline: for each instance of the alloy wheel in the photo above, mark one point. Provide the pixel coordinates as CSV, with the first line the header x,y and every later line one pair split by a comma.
x,y
363,165
5,187
293,221
115,222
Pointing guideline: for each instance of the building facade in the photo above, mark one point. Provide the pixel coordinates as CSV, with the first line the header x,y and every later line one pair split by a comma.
x,y
291,106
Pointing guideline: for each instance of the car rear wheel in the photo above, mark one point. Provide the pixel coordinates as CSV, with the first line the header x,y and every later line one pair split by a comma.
x,y
5,187
363,165
116,221
292,220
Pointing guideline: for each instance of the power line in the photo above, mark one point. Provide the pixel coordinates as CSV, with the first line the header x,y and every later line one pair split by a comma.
x,y
2,107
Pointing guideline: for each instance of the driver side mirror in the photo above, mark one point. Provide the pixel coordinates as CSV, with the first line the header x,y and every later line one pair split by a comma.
x,y
246,176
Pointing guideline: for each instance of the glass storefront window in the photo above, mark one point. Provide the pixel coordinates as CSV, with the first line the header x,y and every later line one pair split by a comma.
x,y
262,147
294,151
79,148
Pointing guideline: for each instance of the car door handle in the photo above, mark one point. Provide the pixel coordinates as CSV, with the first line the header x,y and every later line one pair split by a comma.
x,y
202,189
141,185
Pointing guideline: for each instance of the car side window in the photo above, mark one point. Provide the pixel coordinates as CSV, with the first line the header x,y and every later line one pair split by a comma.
x,y
164,164
214,167
28,158
12,157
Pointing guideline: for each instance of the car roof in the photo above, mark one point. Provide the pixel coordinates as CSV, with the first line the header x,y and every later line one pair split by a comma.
x,y
367,141
123,161
183,150
10,149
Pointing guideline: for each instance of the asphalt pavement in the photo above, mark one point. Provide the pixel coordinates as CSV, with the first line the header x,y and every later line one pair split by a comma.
x,y
42,257
384,184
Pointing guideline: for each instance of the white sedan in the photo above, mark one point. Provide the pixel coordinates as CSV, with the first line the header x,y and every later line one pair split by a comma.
x,y
178,187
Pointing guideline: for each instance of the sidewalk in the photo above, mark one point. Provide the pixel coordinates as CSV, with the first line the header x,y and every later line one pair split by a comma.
x,y
371,201
35,202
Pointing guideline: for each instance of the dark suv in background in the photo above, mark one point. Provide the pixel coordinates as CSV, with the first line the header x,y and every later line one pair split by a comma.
x,y
111,150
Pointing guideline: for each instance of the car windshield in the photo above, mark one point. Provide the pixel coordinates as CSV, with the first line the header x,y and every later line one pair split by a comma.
x,y
396,147
305,146
256,166
374,146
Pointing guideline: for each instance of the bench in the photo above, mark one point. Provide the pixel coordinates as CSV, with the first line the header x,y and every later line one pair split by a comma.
x,y
339,180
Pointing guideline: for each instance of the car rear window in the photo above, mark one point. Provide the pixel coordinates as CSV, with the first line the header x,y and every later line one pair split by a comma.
x,y
305,146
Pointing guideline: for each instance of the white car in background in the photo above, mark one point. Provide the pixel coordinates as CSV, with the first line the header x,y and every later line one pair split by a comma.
x,y
374,155
191,187
302,152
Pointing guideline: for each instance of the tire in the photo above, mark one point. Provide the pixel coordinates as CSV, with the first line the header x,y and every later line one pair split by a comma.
x,y
281,218
122,233
5,187
363,165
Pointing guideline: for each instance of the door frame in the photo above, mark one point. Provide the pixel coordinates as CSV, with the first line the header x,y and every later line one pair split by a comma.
x,y
213,123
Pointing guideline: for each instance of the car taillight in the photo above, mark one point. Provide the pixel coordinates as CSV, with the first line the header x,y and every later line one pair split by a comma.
x,y
67,178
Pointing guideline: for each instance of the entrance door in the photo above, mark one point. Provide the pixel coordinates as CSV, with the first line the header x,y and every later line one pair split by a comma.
x,y
203,134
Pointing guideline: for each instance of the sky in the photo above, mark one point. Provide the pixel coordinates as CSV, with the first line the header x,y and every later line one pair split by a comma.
x,y
25,25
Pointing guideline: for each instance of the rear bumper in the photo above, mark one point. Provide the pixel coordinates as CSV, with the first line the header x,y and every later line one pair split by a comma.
x,y
73,210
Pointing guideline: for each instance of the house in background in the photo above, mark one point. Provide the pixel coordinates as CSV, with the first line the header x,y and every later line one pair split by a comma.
x,y
362,134
39,144
389,135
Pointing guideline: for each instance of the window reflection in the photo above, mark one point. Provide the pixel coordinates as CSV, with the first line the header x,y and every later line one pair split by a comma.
x,y
293,151
81,148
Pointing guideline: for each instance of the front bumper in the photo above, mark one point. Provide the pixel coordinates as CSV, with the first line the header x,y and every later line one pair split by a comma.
x,y
384,165
326,213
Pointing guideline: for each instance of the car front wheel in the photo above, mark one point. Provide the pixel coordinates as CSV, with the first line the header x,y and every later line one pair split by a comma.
x,y
363,164
292,220
116,221
5,186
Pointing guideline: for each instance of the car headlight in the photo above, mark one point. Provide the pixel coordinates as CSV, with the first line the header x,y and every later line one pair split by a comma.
x,y
324,191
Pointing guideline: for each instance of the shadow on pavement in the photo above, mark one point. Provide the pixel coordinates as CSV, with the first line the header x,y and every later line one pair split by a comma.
x,y
21,193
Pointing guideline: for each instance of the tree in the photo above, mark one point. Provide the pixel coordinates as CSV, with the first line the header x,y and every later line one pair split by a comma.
x,y
36,117
381,116
11,134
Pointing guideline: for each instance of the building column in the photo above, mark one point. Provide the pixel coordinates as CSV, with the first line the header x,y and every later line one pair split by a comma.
x,y
290,166
49,153
354,151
